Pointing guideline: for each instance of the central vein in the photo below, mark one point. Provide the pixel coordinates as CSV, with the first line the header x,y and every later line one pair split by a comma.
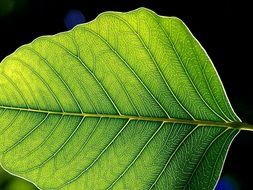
x,y
232,125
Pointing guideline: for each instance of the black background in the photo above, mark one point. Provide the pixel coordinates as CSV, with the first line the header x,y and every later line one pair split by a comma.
x,y
222,27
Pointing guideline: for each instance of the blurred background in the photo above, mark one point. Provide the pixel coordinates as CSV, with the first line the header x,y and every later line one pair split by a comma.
x,y
222,27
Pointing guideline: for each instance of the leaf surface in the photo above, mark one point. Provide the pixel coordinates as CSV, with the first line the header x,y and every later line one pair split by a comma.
x,y
127,101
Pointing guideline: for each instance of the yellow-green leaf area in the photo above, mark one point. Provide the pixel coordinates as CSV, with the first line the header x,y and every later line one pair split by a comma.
x,y
127,101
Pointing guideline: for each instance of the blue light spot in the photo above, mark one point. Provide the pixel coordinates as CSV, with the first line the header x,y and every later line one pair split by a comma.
x,y
227,183
73,17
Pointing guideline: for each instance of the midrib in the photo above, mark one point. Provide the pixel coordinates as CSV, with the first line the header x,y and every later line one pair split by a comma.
x,y
232,125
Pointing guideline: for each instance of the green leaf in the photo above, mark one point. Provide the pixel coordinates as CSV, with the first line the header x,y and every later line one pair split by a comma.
x,y
8,182
127,101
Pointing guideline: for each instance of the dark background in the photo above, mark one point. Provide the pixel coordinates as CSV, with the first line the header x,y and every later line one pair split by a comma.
x,y
222,27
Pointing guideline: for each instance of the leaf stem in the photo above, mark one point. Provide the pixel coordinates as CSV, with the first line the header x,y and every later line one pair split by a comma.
x,y
242,126
232,125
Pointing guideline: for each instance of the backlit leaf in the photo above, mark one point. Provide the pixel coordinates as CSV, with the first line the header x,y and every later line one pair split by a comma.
x,y
127,101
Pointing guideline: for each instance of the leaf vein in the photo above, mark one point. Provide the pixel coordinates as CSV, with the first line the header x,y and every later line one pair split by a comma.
x,y
172,155
187,72
96,159
42,143
88,70
207,83
202,157
86,140
17,88
58,75
214,166
40,78
128,66
136,157
11,123
155,63
27,135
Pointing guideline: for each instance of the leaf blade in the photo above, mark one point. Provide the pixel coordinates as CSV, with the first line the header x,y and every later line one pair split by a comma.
x,y
114,82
